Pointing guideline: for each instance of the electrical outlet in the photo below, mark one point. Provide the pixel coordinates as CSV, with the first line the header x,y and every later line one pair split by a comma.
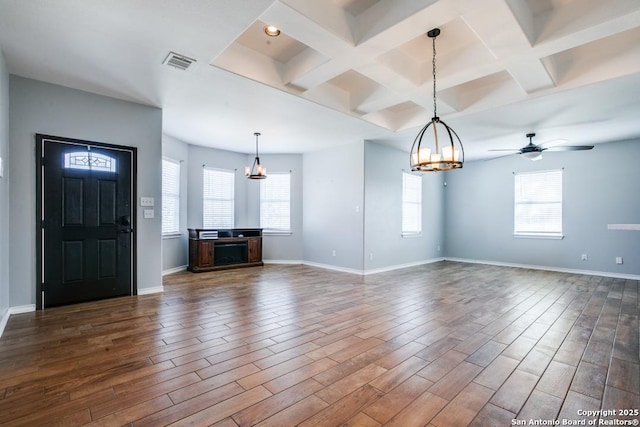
x,y
149,214
333,253
584,257
371,256
147,201
618,260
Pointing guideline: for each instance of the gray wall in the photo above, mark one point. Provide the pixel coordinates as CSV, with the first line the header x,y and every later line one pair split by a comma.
x,y
38,107
600,187
283,248
287,248
175,248
333,183
4,189
384,246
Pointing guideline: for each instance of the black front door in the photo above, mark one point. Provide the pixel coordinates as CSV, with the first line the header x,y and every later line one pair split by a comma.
x,y
86,228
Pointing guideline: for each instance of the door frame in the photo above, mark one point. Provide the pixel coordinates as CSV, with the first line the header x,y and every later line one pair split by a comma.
x,y
39,213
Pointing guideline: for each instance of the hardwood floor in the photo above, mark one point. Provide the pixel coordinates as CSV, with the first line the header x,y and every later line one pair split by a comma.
x,y
445,344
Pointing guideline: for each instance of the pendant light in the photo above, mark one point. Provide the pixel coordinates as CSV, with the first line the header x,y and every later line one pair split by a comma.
x,y
437,147
256,171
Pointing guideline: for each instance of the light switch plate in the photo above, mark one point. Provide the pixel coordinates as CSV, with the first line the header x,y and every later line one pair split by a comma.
x,y
146,201
149,214
1,168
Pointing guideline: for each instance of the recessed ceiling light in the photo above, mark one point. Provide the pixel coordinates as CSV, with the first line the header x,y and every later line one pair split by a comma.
x,y
271,31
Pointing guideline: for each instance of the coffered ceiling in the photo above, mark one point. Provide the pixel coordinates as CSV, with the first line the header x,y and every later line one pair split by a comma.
x,y
346,70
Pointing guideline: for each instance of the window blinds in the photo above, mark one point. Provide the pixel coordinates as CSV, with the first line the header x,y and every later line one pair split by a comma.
x,y
170,196
538,203
411,204
275,203
218,198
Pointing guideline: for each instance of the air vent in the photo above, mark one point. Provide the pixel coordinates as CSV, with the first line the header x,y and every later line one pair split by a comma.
x,y
178,61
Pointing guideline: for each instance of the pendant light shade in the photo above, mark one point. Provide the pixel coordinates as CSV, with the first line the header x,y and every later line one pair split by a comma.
x,y
256,171
437,147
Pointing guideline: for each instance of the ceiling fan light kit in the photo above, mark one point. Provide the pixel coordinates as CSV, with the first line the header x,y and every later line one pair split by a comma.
x,y
533,152
437,147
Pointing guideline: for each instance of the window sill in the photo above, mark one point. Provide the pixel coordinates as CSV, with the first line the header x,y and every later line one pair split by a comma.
x,y
171,236
411,235
539,236
276,233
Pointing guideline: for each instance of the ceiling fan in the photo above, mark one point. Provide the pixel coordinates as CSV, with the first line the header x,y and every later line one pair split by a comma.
x,y
533,152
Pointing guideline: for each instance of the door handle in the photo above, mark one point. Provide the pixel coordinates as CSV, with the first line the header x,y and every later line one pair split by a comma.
x,y
125,221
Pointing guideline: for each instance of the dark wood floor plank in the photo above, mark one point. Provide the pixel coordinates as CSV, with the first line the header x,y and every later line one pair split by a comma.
x,y
443,344
298,375
296,413
451,384
203,386
464,407
192,406
276,403
350,383
397,399
388,380
224,409
345,408
419,412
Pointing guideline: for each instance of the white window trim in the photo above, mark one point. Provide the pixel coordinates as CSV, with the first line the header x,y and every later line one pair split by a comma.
x,y
230,171
414,233
174,233
273,231
540,235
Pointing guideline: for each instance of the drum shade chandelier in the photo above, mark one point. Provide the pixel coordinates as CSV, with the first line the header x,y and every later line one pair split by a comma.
x,y
437,147
256,171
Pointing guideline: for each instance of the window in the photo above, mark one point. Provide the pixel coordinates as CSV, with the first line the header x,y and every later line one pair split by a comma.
x,y
170,196
89,161
275,203
538,204
411,204
217,198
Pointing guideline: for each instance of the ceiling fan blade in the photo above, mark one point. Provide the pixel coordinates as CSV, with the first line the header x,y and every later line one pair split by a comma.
x,y
501,156
514,150
569,147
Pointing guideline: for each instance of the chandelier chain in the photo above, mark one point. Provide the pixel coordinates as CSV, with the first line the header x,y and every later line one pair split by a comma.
x,y
435,114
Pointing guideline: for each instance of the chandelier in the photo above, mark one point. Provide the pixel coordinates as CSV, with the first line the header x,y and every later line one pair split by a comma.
x,y
256,171
437,147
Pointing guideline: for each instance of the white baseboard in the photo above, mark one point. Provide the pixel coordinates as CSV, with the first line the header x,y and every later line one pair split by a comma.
x,y
548,268
147,291
374,271
333,267
174,270
283,261
3,322
400,266
15,310
22,309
